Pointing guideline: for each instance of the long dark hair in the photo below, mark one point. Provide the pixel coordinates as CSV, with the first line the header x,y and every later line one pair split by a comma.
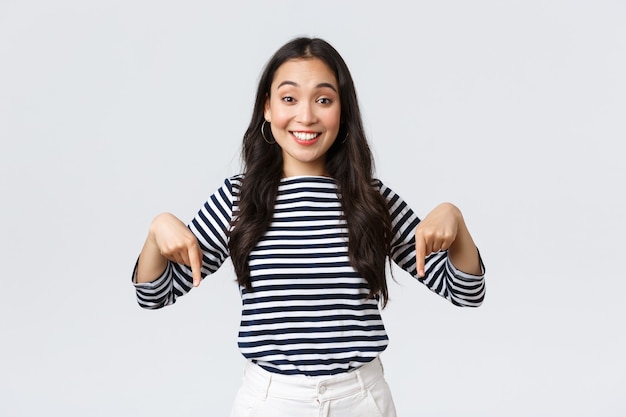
x,y
349,162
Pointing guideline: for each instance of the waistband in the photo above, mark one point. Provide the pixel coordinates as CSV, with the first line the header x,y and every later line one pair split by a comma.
x,y
303,388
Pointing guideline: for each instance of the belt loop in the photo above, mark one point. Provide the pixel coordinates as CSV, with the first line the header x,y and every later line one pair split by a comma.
x,y
359,377
382,368
266,388
259,379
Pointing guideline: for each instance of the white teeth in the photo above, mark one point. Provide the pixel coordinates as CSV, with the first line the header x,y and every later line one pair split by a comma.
x,y
305,136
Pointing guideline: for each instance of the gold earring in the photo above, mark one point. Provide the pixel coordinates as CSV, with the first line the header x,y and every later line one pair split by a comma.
x,y
263,134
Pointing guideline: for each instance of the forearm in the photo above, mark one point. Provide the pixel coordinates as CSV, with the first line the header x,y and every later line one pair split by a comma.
x,y
463,252
151,263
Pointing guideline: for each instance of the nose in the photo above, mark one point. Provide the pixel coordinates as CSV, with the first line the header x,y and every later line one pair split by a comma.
x,y
306,114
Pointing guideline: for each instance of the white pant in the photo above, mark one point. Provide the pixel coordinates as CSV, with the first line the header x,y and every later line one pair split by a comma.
x,y
362,392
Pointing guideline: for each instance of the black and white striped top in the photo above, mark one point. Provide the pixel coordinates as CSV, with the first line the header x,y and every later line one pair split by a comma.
x,y
309,312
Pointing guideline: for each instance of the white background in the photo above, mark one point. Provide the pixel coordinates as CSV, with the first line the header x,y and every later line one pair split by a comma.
x,y
113,111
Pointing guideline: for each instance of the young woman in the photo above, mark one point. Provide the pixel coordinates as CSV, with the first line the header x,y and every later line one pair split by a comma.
x,y
309,232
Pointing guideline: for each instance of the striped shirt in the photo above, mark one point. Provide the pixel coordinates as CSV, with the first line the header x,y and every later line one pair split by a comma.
x,y
309,311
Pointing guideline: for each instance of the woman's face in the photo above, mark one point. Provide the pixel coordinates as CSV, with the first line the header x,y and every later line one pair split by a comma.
x,y
304,112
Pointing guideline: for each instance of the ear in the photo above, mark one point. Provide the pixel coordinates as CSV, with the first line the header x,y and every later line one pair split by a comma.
x,y
267,111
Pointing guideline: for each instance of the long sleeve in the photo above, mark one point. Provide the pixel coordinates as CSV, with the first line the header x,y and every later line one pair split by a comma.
x,y
210,226
458,287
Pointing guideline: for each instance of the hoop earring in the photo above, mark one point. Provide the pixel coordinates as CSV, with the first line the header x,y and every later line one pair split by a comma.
x,y
346,138
263,134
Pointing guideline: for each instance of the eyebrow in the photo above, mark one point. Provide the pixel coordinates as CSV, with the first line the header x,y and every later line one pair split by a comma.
x,y
320,85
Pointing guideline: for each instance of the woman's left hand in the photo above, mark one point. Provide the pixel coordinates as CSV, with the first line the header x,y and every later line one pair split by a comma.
x,y
436,232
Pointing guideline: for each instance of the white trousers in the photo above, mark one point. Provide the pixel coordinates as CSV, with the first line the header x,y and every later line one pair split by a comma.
x,y
362,392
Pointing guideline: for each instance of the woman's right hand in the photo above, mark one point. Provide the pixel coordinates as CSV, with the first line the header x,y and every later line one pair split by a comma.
x,y
175,242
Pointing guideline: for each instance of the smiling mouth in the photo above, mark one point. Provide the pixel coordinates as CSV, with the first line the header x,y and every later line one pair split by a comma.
x,y
305,136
